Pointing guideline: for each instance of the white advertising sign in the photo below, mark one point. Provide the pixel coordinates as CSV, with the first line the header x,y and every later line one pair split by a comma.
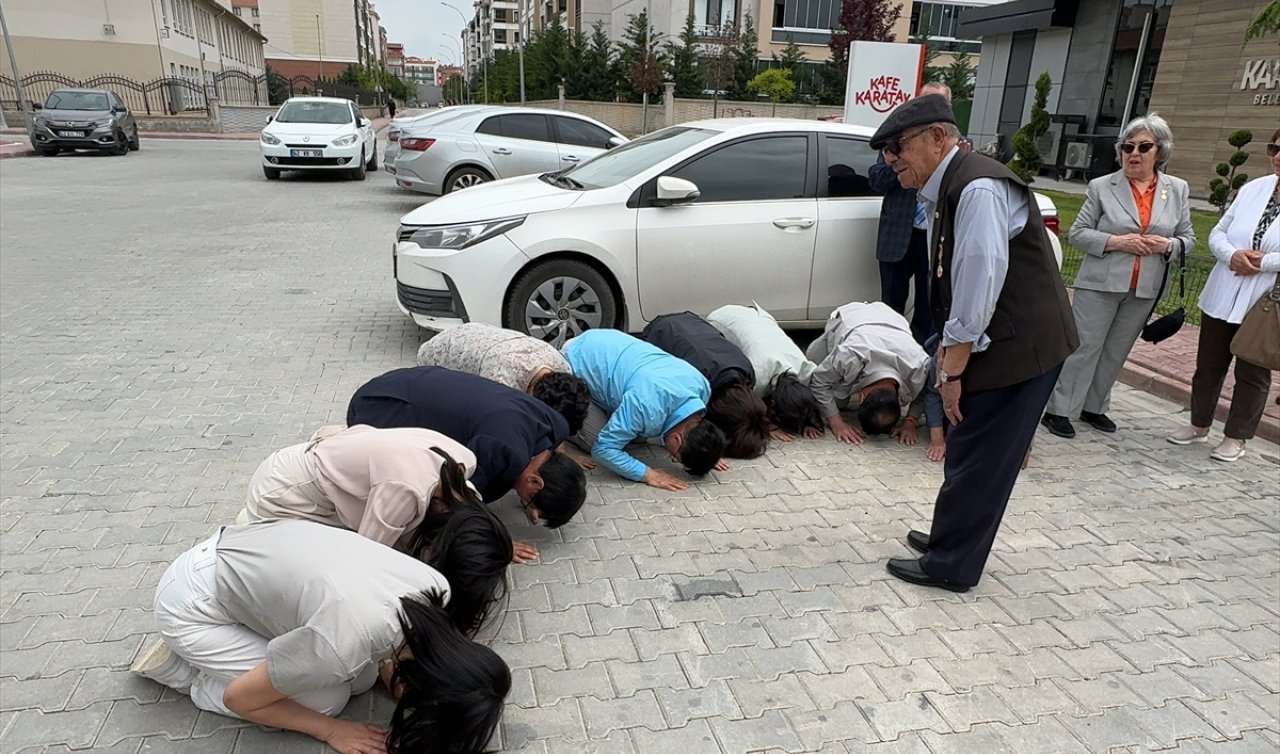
x,y
882,75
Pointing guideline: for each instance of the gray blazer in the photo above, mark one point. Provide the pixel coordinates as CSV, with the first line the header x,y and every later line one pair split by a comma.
x,y
1110,210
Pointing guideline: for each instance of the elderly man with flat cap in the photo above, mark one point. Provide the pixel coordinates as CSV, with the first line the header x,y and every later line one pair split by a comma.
x,y
1001,308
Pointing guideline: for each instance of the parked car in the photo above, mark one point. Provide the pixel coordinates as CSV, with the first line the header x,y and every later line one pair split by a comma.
x,y
318,133
434,117
96,119
694,216
490,143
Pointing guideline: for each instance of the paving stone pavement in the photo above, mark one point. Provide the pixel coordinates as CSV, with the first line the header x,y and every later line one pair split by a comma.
x,y
170,318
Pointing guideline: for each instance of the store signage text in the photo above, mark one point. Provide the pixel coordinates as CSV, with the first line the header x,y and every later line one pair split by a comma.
x,y
1263,73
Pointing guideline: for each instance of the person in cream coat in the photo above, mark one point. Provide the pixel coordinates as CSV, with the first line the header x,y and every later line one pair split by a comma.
x,y
1134,223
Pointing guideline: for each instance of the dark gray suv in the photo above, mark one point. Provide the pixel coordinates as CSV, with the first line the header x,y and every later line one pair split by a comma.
x,y
95,119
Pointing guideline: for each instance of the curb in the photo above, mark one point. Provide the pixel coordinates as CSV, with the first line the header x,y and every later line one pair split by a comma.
x,y
1161,385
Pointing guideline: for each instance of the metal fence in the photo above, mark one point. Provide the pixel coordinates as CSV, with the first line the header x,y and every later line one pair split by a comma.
x,y
173,95
1197,274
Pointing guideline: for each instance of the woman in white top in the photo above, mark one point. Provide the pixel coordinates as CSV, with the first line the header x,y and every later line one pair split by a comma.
x,y
1246,245
782,370
281,622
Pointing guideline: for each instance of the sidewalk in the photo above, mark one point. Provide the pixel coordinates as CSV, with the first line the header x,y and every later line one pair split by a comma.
x,y
13,141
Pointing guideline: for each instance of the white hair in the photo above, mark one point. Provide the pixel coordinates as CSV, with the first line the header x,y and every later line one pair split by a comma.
x,y
1159,129
942,88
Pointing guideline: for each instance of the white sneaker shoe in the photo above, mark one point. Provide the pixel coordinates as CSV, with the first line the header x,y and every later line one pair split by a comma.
x,y
161,665
1188,435
1230,450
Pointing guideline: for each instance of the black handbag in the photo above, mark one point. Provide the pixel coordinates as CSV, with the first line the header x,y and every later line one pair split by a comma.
x,y
1165,327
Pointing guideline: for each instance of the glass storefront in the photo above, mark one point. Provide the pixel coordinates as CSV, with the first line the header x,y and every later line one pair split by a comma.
x,y
1138,41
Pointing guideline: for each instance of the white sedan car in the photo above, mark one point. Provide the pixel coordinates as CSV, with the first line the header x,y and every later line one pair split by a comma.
x,y
318,133
692,217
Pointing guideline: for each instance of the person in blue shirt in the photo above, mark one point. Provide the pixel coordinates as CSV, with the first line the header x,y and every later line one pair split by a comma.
x,y
639,391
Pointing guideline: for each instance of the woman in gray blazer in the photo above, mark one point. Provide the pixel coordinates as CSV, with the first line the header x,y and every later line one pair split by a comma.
x,y
1132,223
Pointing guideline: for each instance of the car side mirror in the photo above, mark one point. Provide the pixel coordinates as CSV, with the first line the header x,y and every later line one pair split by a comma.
x,y
615,141
37,106
672,190
270,118
365,122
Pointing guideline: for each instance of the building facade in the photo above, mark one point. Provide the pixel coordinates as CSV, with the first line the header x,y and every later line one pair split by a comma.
x,y
139,39
316,38
395,59
1110,62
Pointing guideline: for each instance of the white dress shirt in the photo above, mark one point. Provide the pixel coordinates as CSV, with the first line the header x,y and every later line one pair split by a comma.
x,y
862,344
990,213
1226,295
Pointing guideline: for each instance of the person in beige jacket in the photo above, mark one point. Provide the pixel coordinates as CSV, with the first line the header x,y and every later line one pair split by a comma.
x,y
1134,223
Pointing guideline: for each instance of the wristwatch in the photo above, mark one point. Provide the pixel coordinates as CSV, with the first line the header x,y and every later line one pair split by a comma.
x,y
944,378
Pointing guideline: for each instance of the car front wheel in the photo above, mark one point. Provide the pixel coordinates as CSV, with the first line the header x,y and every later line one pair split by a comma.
x,y
559,299
357,173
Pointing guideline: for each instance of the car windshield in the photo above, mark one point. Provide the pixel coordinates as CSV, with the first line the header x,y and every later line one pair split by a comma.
x,y
76,101
624,162
315,112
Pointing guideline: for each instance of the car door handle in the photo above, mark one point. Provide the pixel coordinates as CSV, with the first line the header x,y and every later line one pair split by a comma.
x,y
794,222
571,158
502,150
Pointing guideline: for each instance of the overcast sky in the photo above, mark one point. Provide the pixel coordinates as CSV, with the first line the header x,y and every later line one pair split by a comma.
x,y
420,25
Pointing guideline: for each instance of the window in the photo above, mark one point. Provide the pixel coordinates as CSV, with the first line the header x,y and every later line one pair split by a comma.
x,y
523,126
848,165
581,133
254,11
499,15
236,10
500,36
760,169
257,28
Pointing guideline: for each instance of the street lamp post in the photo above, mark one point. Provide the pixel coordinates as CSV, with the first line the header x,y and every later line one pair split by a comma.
x,y
484,58
520,31
460,57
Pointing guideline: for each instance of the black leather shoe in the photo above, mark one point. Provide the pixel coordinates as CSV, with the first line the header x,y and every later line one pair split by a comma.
x,y
1058,425
1099,422
918,540
910,571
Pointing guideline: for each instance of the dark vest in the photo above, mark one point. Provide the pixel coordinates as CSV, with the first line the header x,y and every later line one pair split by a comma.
x,y
1032,330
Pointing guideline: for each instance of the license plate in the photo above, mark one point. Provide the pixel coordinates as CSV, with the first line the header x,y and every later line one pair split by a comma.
x,y
306,152
74,134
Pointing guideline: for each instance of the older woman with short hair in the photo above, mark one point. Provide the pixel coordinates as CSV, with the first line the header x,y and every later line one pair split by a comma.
x,y
1246,246
1132,222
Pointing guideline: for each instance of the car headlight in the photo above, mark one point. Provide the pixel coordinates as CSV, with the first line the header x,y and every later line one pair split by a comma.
x,y
41,120
102,122
346,141
458,236
269,139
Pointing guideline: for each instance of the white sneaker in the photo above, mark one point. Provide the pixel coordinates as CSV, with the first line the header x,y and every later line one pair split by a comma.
x,y
1188,435
1230,450
161,665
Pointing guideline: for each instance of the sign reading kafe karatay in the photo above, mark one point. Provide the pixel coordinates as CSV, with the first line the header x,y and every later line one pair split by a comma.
x,y
1262,73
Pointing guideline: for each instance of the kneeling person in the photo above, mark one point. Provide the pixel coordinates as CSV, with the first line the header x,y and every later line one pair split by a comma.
x,y
639,391
867,352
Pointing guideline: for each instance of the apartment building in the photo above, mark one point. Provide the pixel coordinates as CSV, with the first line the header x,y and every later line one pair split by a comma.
x,y
419,71
494,26
139,39
395,59
317,37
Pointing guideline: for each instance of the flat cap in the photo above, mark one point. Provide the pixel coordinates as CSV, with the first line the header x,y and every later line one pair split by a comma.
x,y
918,111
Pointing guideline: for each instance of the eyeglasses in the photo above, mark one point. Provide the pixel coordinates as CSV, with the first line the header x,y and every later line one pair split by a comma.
x,y
1273,150
1142,148
894,146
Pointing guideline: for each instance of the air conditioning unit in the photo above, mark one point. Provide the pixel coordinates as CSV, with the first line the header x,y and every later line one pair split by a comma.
x,y
1079,153
109,29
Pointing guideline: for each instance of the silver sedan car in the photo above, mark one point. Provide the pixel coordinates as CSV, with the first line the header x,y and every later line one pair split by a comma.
x,y
488,143
435,117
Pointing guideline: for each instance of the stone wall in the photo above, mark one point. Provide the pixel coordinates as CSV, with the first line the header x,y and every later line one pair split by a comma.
x,y
197,123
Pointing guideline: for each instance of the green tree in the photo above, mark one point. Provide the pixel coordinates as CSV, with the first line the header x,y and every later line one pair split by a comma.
x,y
640,57
1266,23
1026,156
1223,188
774,83
548,60
600,72
746,57
685,71
959,76
791,56
931,72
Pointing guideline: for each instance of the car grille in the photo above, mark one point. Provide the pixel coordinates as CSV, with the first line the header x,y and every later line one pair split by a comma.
x,y
305,146
428,302
310,162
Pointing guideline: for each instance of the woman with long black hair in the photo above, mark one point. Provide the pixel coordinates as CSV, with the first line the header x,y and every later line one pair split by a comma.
x,y
280,622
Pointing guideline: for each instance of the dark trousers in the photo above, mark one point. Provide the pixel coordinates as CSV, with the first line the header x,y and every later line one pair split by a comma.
x,y
984,455
895,282
1213,358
